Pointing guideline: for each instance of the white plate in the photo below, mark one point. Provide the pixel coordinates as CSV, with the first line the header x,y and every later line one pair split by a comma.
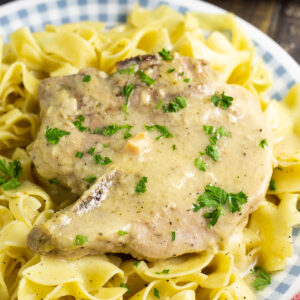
x,y
37,13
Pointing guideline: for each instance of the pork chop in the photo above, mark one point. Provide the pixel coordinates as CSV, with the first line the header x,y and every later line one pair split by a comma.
x,y
135,149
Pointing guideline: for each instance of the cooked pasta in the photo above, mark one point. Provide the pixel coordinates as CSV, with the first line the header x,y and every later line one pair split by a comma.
x,y
62,50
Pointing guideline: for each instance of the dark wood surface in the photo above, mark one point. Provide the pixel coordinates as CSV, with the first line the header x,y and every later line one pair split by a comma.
x,y
280,19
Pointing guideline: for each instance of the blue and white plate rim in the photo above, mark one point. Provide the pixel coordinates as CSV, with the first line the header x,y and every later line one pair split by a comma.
x,y
285,69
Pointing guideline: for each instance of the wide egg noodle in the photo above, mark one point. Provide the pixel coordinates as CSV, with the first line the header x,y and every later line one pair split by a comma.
x,y
30,57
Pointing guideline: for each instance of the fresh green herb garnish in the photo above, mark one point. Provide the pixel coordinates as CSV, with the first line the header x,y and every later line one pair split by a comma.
x,y
91,150
272,186
86,78
111,129
97,130
53,180
105,145
165,55
129,70
126,91
91,178
13,171
263,144
124,285
171,70
181,74
174,147
180,103
161,129
137,263
122,232
173,236
158,104
216,197
80,240
141,185
165,271
262,278
156,293
145,78
79,154
212,151
224,101
99,161
53,135
78,123
200,164
187,80
208,129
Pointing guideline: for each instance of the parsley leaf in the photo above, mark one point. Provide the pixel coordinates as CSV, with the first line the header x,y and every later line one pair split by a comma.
x,y
141,185
126,91
174,147
173,236
156,293
129,71
214,196
187,80
79,154
99,161
272,185
263,144
165,55
53,180
11,184
91,150
158,104
145,78
161,129
12,170
137,263
80,240
181,74
200,164
171,70
165,271
78,123
262,278
224,101
124,285
180,103
53,135
122,232
86,78
212,151
111,129
208,129
91,178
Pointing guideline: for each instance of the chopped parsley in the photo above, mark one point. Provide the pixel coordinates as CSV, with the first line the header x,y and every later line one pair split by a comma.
x,y
79,154
97,130
141,185
181,74
200,164
174,147
53,135
224,101
80,240
90,179
212,151
180,103
173,236
156,293
163,130
126,91
13,170
53,181
171,70
263,143
158,105
86,78
272,185
208,129
262,278
165,55
137,263
187,80
122,232
216,197
165,271
111,129
129,71
124,285
91,150
145,78
99,161
78,123
105,145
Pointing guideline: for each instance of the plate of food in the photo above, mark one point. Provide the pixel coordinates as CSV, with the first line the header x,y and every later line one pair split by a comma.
x,y
149,150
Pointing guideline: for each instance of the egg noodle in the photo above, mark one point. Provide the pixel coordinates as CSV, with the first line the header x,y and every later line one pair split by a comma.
x,y
264,239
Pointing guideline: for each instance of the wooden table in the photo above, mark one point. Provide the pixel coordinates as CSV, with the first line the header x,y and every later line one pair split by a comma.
x,y
280,19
